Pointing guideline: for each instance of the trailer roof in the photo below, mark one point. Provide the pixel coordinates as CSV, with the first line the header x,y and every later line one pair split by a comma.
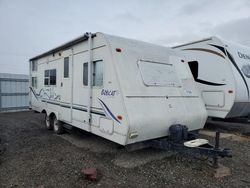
x,y
202,40
63,46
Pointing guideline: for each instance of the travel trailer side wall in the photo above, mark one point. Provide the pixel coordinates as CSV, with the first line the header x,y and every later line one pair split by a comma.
x,y
120,89
222,73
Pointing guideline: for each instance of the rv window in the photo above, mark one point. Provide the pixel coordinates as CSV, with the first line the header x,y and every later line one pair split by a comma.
x,y
46,77
158,74
97,73
46,73
193,65
52,77
34,66
46,81
246,70
85,74
66,67
34,82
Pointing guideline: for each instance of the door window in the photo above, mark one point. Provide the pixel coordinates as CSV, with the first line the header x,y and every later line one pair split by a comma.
x,y
66,67
97,72
85,74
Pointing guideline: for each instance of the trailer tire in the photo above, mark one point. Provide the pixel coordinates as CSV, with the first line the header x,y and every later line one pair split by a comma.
x,y
48,122
57,126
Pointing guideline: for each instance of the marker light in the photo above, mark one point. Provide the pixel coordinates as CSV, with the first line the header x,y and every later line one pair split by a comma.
x,y
118,49
133,135
119,117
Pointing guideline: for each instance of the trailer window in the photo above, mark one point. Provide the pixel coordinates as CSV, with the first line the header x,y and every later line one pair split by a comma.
x,y
66,67
34,82
46,73
97,72
246,70
46,81
34,65
50,77
46,77
158,74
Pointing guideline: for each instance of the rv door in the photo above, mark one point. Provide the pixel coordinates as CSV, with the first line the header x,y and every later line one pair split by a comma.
x,y
66,86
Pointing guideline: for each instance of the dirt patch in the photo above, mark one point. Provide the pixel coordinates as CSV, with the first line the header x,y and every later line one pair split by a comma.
x,y
222,171
35,157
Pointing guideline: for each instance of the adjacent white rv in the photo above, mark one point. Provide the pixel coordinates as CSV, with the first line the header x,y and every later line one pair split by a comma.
x,y
120,89
222,72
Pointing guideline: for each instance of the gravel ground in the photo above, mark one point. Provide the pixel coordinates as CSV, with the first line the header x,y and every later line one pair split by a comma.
x,y
31,156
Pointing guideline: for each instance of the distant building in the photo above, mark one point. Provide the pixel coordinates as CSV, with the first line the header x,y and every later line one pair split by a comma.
x,y
14,92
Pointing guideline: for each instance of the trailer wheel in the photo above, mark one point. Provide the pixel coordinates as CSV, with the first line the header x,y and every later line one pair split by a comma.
x,y
48,123
57,126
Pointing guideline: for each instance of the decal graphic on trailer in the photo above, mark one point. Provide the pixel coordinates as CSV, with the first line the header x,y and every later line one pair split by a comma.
x,y
234,63
206,50
107,111
46,94
194,66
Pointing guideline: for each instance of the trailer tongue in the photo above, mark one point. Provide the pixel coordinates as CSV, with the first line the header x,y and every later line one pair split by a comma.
x,y
186,143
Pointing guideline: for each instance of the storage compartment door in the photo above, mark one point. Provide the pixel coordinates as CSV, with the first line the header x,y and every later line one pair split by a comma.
x,y
214,98
106,126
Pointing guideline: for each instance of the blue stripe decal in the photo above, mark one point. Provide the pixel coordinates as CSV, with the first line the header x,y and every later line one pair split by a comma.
x,y
106,109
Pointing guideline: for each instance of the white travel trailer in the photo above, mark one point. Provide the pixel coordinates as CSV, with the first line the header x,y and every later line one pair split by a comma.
x,y
123,90
222,72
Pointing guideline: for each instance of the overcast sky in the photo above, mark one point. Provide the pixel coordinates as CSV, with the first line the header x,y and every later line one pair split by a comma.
x,y
30,27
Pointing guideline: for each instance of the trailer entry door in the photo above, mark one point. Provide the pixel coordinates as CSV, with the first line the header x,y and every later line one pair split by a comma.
x,y
66,79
